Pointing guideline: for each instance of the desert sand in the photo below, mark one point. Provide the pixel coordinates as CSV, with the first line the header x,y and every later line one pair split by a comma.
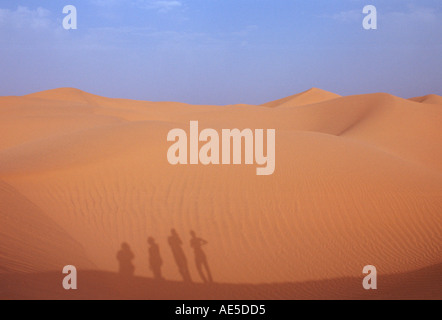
x,y
358,181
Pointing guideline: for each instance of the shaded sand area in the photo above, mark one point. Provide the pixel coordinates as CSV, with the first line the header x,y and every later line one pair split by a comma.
x,y
96,285
358,181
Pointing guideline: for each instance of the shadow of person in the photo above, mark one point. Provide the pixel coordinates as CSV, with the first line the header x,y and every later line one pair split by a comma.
x,y
200,258
125,257
155,261
175,244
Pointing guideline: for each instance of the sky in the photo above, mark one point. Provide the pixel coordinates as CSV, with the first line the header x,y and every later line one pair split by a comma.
x,y
221,51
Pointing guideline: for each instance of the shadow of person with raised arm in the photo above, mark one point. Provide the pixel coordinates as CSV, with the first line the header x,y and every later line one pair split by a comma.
x,y
125,257
179,256
200,257
155,261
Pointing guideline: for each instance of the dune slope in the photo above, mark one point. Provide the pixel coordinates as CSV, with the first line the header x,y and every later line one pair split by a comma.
x,y
30,241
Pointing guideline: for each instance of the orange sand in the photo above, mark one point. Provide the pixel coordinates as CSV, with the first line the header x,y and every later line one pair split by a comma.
x,y
358,181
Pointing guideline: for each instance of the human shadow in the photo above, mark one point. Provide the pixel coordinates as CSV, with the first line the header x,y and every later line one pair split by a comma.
x,y
155,261
125,257
200,257
175,244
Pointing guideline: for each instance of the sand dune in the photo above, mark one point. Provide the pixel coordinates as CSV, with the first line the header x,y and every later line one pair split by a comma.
x,y
431,98
358,181
313,95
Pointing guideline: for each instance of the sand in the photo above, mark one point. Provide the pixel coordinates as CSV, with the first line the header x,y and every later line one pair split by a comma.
x,y
358,181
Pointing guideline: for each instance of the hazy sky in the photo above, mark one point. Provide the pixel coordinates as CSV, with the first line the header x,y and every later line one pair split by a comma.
x,y
221,51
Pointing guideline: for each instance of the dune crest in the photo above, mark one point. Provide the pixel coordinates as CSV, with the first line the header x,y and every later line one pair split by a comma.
x,y
430,98
313,95
63,94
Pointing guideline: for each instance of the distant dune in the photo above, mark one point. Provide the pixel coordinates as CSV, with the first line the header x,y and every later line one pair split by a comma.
x,y
310,96
358,181
431,98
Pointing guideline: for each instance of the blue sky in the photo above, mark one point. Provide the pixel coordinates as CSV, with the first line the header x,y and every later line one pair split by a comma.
x,y
221,51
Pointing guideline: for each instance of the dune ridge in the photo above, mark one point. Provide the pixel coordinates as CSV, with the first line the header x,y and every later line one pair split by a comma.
x,y
430,98
358,181
310,96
